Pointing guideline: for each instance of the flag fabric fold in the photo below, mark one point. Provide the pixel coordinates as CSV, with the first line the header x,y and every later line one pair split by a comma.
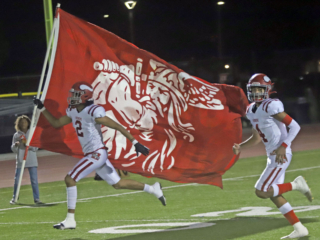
x,y
188,124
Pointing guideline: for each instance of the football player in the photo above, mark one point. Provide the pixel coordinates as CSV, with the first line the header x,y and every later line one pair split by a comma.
x,y
270,122
87,119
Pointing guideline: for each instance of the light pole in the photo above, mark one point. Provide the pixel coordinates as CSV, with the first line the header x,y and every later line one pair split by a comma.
x,y
220,54
130,5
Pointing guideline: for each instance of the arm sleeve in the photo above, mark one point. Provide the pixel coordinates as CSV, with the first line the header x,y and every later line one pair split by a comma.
x,y
13,147
273,107
294,128
98,112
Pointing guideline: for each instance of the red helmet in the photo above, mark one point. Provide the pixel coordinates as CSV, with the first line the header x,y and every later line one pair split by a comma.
x,y
81,92
259,80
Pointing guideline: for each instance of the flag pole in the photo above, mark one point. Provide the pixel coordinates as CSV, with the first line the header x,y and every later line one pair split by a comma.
x,y
47,7
35,115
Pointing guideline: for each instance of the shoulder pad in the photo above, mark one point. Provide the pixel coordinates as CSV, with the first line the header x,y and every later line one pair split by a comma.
x,y
96,111
272,106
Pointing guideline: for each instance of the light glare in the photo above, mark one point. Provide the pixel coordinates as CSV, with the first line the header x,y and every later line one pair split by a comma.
x,y
130,4
226,66
220,3
106,16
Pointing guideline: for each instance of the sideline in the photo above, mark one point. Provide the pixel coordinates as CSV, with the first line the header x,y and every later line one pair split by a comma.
x,y
40,153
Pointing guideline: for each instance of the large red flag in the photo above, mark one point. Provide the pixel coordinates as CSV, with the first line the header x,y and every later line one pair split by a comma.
x,y
189,124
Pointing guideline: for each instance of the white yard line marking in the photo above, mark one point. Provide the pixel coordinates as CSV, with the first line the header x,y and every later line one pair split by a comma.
x,y
175,186
56,186
258,175
131,220
142,220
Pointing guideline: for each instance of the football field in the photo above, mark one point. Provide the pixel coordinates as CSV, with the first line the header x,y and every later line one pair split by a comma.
x,y
193,211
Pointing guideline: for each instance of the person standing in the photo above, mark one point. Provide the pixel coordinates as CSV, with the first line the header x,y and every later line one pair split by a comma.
x,y
270,123
22,125
87,119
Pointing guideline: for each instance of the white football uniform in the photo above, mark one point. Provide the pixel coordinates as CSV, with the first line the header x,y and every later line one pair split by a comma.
x,y
90,138
88,131
272,133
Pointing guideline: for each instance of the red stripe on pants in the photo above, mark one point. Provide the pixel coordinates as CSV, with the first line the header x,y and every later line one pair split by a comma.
x,y
265,182
78,167
274,177
88,165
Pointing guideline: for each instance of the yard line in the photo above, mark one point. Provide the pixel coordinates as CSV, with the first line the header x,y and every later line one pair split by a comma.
x,y
142,220
174,186
258,175
40,187
105,196
130,220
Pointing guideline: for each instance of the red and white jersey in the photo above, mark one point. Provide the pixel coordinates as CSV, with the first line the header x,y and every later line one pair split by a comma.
x,y
88,131
271,131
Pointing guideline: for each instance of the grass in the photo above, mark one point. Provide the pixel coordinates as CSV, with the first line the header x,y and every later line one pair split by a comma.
x,y
101,206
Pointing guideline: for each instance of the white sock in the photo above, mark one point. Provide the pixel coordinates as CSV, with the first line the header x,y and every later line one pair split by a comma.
x,y
285,208
70,216
275,190
148,188
72,197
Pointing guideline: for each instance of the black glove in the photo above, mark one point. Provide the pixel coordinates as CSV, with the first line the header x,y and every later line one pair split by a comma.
x,y
141,149
38,102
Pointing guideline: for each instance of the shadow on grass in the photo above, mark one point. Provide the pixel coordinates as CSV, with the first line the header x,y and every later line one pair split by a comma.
x,y
37,205
223,230
304,238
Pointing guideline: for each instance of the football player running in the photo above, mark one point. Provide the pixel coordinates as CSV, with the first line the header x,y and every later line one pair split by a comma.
x,y
270,124
87,119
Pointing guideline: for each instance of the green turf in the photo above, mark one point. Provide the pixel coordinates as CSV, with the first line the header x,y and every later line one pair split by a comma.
x,y
29,222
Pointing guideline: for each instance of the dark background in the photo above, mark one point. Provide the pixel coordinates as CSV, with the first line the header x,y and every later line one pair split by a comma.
x,y
173,30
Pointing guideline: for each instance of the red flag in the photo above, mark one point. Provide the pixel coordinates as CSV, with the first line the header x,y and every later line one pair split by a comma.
x,y
188,124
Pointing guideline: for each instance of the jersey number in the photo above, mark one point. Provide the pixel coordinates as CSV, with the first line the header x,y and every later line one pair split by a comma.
x,y
78,128
261,134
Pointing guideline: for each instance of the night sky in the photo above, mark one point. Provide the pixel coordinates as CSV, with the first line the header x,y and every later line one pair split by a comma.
x,y
173,30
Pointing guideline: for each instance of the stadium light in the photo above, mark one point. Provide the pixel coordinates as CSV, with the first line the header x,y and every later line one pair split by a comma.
x,y
226,66
220,54
106,16
130,4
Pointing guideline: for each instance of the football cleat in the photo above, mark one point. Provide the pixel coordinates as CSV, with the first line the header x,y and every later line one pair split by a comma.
x,y
65,225
302,231
301,185
12,201
157,191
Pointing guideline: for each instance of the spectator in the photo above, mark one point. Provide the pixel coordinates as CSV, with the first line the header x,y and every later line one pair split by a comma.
x,y
22,125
